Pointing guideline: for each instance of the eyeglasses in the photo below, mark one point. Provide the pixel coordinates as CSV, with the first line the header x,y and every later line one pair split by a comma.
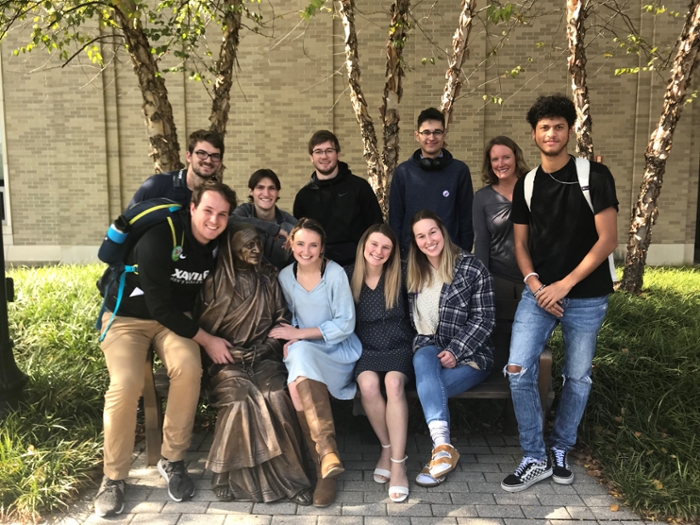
x,y
203,155
437,133
327,152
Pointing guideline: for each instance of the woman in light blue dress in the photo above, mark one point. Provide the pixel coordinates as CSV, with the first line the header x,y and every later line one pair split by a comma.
x,y
322,348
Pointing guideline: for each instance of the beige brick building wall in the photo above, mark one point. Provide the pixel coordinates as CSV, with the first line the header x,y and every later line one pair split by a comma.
x,y
75,146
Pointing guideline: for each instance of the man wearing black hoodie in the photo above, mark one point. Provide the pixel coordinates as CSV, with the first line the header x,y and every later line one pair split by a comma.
x,y
432,179
343,203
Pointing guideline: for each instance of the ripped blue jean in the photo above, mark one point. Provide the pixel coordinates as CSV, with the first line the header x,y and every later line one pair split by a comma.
x,y
532,328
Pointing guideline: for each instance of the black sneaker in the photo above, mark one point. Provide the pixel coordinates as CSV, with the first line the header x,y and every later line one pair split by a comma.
x,y
110,498
560,465
529,472
180,485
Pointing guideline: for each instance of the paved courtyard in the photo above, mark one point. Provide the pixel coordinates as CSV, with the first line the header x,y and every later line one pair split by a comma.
x,y
471,495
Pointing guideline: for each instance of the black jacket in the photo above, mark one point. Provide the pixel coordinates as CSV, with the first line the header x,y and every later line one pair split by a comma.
x,y
344,205
171,185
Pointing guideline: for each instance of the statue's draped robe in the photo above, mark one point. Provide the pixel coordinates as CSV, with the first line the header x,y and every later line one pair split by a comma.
x,y
256,448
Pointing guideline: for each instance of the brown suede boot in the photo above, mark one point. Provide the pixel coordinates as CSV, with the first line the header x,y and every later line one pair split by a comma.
x,y
317,408
324,493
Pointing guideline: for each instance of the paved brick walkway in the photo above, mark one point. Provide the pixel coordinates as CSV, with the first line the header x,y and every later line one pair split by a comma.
x,y
471,495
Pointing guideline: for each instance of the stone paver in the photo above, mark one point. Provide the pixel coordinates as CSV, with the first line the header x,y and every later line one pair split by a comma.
x,y
472,494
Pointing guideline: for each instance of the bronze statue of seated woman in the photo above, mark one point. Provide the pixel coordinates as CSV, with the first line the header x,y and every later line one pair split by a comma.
x,y
256,453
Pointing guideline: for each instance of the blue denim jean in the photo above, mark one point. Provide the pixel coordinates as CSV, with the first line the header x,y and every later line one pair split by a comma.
x,y
531,330
435,384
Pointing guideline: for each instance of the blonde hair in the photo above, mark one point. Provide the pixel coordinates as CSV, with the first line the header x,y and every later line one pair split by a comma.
x,y
391,269
419,273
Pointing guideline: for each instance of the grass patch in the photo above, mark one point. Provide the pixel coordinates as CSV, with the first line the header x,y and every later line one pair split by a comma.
x,y
51,445
642,422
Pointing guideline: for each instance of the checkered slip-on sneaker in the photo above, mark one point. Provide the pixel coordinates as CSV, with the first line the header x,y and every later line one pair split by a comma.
x,y
529,472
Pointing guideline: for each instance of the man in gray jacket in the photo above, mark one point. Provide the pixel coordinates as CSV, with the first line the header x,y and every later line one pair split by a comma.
x,y
272,223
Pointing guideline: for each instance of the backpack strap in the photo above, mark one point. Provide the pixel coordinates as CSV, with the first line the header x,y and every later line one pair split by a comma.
x,y
528,185
583,172
120,294
180,186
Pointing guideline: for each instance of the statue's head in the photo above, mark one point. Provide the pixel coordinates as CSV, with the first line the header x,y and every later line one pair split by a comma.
x,y
245,245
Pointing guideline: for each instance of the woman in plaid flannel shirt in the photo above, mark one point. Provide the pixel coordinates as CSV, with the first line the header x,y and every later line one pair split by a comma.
x,y
452,307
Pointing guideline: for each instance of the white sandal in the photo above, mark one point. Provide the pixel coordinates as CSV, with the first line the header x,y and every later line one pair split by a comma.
x,y
398,489
384,473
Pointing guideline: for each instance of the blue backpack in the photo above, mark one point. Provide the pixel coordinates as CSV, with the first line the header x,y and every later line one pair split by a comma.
x,y
120,239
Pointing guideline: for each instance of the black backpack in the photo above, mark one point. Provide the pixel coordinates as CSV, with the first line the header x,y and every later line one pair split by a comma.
x,y
120,239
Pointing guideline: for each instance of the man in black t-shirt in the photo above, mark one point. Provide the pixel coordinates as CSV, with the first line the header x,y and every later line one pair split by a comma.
x,y
155,310
205,150
561,244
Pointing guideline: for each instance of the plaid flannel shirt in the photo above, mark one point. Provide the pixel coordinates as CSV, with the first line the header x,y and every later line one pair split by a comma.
x,y
467,315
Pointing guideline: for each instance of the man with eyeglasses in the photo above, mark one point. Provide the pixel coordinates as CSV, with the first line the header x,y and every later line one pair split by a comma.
x,y
432,179
343,203
205,150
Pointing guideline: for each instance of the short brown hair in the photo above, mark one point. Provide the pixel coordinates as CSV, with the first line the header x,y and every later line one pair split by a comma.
x,y
521,167
322,136
205,135
430,114
217,187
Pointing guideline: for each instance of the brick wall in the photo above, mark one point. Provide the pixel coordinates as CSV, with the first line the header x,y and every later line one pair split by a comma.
x,y
77,147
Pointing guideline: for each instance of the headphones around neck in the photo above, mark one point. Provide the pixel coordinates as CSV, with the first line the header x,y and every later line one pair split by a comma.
x,y
429,164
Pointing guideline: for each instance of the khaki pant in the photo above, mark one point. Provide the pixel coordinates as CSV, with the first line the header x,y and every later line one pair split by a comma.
x,y
125,349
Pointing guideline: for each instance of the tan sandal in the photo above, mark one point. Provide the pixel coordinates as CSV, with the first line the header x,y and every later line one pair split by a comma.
x,y
424,479
444,460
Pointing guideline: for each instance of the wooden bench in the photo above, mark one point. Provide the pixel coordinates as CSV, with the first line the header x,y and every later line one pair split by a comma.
x,y
496,386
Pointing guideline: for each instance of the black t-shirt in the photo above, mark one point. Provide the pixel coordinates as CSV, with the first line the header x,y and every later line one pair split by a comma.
x,y
562,226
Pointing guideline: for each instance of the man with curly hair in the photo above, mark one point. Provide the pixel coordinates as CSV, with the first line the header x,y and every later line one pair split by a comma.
x,y
564,230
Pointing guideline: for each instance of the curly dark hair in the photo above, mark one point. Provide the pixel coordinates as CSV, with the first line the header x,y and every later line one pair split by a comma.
x,y
552,106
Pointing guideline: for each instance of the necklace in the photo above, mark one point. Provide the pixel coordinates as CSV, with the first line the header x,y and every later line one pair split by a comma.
x,y
557,180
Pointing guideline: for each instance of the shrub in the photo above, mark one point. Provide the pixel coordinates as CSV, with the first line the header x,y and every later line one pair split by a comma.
x,y
642,422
